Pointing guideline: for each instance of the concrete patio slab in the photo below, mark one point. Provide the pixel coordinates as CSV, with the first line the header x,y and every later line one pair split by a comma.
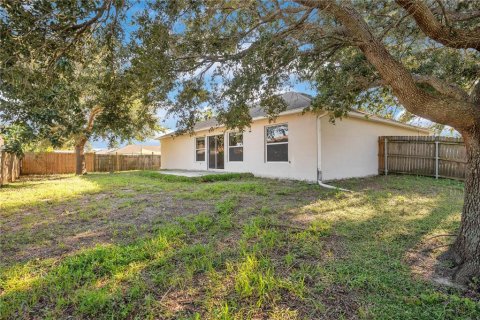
x,y
190,173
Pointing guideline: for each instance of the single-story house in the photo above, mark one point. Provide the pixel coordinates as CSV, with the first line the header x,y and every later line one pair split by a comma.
x,y
297,145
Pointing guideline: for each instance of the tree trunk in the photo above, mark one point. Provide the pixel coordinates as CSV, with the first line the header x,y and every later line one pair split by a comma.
x,y
465,252
80,164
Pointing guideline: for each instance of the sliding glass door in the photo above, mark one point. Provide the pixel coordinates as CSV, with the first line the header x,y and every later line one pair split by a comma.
x,y
216,152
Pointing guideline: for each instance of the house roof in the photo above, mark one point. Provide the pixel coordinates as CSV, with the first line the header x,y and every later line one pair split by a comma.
x,y
297,102
293,100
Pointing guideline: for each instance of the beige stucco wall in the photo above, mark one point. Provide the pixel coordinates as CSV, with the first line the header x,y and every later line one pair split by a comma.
x,y
178,152
349,148
345,149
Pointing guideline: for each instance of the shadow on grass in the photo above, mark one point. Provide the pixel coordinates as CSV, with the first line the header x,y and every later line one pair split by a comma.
x,y
106,208
243,260
400,219
29,181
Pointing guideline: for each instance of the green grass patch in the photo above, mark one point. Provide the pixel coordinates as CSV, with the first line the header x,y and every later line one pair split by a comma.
x,y
144,245
205,178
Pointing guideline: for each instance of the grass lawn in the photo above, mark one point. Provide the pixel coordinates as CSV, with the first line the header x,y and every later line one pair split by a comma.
x,y
142,245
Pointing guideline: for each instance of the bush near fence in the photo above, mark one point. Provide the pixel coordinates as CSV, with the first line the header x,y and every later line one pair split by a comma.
x,y
9,167
427,156
45,163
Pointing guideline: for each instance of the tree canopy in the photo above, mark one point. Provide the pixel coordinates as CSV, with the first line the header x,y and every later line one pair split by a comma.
x,y
423,55
242,52
67,74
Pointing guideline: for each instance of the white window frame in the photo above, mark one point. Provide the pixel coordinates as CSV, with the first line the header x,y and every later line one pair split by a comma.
x,y
275,143
229,146
204,148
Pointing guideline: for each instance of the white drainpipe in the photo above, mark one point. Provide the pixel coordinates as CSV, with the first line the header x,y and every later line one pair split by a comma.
x,y
328,186
319,157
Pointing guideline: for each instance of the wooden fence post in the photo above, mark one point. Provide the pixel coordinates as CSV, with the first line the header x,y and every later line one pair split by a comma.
x,y
10,168
110,163
2,171
436,157
386,156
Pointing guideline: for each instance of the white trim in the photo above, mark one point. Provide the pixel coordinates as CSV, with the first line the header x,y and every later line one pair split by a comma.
x,y
353,114
370,117
318,134
195,148
229,146
284,113
266,144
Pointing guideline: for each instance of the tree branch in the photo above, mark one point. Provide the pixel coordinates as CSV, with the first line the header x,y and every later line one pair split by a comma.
x,y
81,27
448,36
475,94
454,16
394,73
442,87
91,118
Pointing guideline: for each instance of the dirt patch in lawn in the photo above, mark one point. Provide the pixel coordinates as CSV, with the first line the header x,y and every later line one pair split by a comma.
x,y
121,215
61,229
425,263
423,260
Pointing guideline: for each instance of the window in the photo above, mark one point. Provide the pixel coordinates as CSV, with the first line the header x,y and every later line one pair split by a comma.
x,y
276,138
200,149
235,146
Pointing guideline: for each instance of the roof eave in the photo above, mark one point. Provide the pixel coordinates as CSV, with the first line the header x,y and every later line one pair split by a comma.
x,y
285,113
352,114
357,115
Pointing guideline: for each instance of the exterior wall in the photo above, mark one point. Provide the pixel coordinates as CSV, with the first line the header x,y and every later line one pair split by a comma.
x,y
179,152
349,148
345,149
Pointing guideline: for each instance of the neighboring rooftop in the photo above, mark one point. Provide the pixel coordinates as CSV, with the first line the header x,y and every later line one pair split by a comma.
x,y
133,149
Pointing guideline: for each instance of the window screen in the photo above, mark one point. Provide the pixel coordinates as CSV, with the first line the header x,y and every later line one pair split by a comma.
x,y
200,149
235,146
277,143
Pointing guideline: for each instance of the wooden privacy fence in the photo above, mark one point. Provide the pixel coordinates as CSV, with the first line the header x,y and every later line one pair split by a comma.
x,y
58,163
9,167
428,156
52,163
125,162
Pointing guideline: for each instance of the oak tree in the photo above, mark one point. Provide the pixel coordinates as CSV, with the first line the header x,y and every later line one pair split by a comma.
x,y
422,53
68,74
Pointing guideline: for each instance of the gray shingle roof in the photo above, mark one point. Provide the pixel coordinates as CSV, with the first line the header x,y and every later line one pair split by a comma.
x,y
293,100
297,101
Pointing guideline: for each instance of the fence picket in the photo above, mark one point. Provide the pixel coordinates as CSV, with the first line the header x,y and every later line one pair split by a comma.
x,y
429,156
9,167
60,163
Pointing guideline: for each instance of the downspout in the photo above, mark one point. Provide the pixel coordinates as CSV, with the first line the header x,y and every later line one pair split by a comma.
x,y
328,186
319,154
